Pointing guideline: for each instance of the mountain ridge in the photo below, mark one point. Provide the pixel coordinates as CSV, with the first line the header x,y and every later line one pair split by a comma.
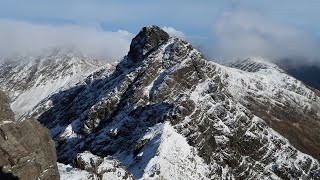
x,y
170,93
164,111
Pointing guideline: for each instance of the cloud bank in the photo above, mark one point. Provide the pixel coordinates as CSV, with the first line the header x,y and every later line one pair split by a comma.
x,y
18,37
173,32
243,34
25,38
236,34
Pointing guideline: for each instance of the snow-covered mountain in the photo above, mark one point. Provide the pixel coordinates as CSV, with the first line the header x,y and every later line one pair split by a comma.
x,y
29,79
306,72
287,105
165,112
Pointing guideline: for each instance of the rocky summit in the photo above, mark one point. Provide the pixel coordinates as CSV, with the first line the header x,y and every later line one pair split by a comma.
x,y
165,112
148,38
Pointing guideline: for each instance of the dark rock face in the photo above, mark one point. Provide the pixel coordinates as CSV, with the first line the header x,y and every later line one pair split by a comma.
x,y
26,149
147,39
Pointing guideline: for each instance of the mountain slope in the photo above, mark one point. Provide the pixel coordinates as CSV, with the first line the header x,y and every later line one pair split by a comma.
x,y
29,79
287,105
165,112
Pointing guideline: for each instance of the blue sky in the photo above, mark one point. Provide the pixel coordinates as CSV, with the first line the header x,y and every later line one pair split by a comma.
x,y
208,24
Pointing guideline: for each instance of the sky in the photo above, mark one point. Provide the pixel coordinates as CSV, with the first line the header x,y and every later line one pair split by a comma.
x,y
221,29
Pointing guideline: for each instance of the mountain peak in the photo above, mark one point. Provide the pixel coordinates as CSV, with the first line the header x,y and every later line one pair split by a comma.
x,y
147,39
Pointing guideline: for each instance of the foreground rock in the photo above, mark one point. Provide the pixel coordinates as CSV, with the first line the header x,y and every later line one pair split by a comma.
x,y
26,149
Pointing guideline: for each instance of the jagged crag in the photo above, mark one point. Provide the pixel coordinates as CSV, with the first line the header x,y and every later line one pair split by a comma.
x,y
165,112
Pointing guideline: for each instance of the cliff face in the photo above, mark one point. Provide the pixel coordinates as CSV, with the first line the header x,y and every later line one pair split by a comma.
x,y
26,149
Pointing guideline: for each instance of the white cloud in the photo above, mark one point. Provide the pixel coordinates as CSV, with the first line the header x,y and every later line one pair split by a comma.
x,y
23,37
173,32
242,34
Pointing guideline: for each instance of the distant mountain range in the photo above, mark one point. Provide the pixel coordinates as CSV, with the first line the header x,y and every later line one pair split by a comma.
x,y
29,79
309,74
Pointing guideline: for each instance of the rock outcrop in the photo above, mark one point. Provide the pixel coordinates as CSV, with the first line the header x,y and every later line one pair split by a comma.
x,y
102,168
148,38
26,148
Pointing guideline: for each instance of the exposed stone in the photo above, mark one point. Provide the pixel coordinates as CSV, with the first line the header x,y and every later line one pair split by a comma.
x,y
103,168
147,39
5,112
26,149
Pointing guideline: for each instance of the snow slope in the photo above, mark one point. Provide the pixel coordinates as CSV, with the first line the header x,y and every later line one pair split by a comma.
x,y
29,79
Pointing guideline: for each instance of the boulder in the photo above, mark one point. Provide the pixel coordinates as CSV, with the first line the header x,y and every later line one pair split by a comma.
x,y
26,148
